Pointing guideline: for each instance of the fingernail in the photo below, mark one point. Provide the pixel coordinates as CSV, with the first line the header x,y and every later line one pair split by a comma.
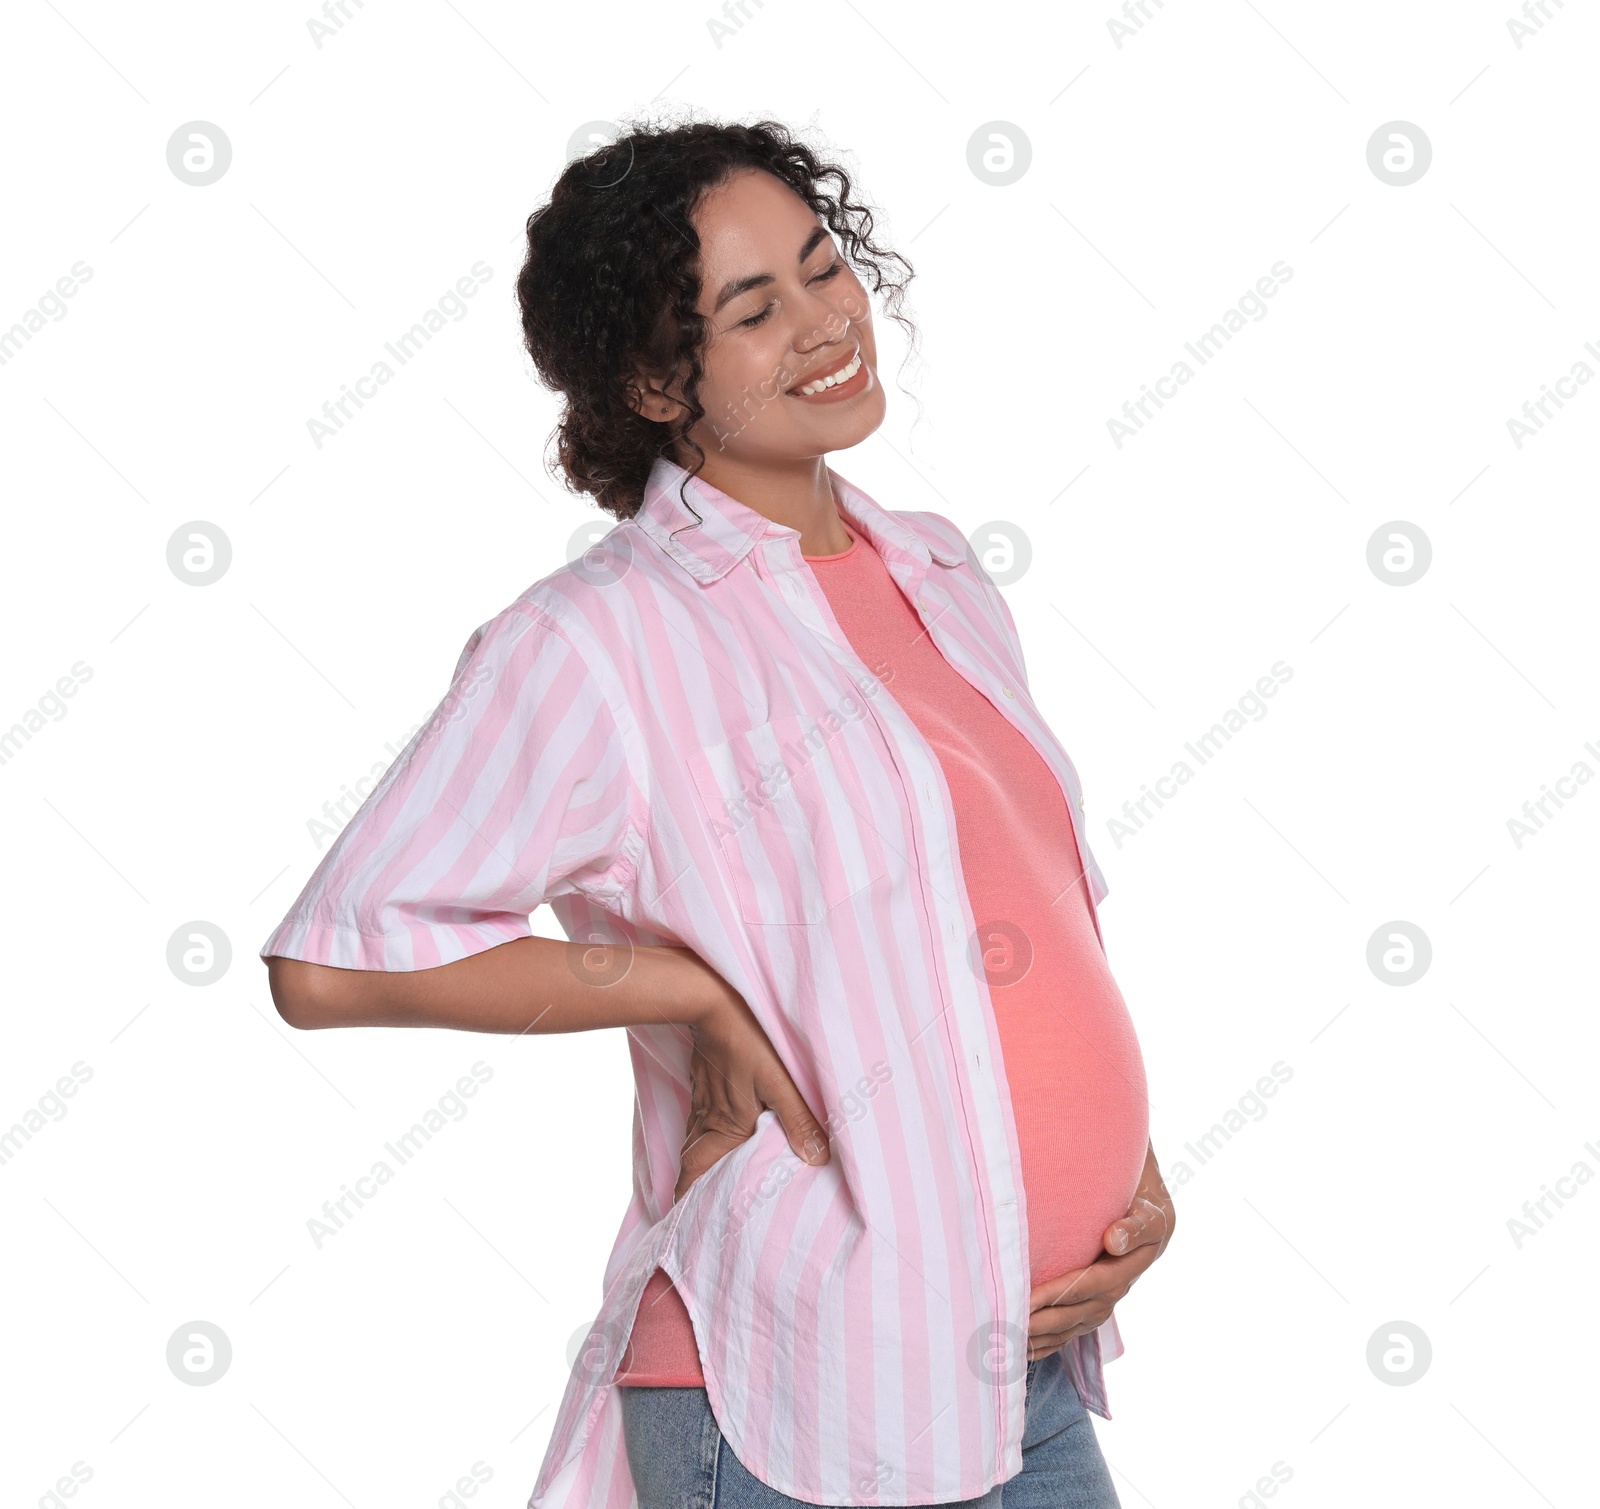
x,y
812,1149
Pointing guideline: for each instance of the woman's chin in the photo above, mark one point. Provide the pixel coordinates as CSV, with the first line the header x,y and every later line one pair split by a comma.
x,y
849,424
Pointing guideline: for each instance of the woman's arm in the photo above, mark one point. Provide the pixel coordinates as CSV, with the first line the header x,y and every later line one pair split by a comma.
x,y
546,985
527,985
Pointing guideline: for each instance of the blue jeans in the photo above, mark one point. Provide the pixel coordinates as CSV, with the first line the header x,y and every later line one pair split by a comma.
x,y
679,1460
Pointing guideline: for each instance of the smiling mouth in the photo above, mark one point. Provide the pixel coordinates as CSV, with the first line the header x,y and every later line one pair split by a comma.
x,y
831,379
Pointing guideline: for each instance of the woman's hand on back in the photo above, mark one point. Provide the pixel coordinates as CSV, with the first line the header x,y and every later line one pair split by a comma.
x,y
735,1074
546,985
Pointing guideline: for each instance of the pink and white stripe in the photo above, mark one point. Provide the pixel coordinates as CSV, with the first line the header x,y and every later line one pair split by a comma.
x,y
671,741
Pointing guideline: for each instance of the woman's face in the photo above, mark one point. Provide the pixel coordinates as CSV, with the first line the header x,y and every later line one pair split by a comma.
x,y
785,311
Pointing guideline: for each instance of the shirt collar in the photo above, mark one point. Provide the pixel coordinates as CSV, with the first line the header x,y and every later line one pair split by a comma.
x,y
727,530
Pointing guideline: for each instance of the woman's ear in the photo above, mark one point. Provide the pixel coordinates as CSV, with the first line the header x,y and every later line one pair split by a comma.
x,y
647,397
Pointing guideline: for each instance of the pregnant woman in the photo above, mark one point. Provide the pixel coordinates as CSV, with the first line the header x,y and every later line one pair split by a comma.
x,y
768,752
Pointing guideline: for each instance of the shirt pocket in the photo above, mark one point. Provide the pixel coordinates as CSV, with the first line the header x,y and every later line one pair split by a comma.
x,y
788,833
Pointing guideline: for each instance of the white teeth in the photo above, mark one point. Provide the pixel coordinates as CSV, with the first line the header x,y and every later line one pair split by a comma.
x,y
844,374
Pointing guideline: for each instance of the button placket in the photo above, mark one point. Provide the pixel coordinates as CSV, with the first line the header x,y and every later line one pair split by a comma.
x,y
941,898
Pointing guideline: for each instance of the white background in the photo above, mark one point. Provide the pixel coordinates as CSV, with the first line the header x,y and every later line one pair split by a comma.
x,y
1168,574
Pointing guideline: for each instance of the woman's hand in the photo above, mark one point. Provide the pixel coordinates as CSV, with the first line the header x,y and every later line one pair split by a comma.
x,y
1082,1301
546,985
735,1073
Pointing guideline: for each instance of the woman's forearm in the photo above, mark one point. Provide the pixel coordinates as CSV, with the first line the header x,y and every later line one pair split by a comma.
x,y
528,985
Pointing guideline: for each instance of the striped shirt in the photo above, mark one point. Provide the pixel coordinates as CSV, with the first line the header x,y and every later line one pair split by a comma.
x,y
670,741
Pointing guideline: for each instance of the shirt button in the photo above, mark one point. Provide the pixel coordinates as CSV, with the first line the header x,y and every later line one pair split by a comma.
x,y
1006,691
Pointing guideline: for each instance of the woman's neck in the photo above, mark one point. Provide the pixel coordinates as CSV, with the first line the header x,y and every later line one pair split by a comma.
x,y
798,494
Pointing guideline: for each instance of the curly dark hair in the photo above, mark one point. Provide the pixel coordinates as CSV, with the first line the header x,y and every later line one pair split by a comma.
x,y
612,278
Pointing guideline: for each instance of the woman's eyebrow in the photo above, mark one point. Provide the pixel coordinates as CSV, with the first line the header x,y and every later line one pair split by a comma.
x,y
760,280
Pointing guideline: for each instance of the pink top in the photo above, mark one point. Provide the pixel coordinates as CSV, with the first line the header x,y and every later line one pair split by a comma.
x,y
1072,1060
670,740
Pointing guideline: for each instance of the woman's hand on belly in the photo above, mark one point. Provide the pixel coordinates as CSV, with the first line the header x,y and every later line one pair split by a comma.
x,y
1082,1301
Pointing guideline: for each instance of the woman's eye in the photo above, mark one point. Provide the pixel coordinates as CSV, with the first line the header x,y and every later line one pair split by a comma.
x,y
822,277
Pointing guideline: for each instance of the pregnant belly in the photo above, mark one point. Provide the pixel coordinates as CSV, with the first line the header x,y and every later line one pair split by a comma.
x,y
1079,1101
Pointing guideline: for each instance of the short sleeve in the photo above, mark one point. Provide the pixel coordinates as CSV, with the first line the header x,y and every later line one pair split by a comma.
x,y
516,789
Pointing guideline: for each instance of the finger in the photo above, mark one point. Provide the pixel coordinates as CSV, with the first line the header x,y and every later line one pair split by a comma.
x,y
1053,1290
1105,1278
703,1146
698,1155
1086,1285
1040,1342
805,1134
1042,1349
1063,1320
1078,1324
1044,1344
1145,1222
